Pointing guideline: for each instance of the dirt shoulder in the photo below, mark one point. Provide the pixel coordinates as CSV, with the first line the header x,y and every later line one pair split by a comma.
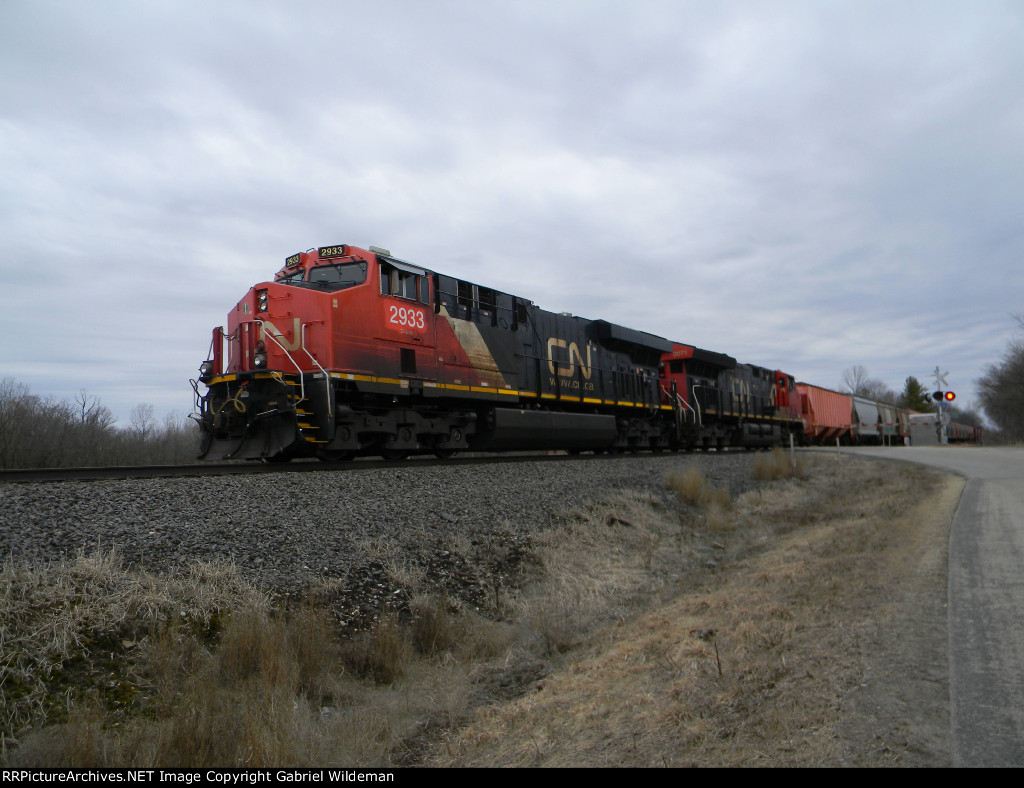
x,y
815,634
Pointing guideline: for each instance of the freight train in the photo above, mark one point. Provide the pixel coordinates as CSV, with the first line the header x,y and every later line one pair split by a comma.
x,y
831,416
352,351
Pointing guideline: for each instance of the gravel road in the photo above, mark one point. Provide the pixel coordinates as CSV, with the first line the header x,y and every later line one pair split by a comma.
x,y
986,600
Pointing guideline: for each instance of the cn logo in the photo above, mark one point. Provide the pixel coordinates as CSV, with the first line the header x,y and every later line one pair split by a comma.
x,y
574,357
270,329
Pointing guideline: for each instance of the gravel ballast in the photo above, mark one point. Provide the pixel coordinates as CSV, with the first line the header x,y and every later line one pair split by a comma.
x,y
286,531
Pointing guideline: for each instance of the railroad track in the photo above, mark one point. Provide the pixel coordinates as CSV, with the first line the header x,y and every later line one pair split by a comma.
x,y
300,466
290,532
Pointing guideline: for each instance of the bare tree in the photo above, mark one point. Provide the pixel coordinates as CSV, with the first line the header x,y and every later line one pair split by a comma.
x,y
15,405
141,422
1001,391
858,383
92,411
854,379
876,390
965,413
38,432
86,404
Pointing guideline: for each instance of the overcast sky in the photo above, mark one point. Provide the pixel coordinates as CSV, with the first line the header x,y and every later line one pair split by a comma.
x,y
802,185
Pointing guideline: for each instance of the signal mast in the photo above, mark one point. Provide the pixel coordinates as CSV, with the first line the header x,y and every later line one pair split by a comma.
x,y
943,397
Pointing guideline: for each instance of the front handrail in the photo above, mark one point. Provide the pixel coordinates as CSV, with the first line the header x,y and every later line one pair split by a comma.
x,y
302,380
327,378
682,404
696,402
216,354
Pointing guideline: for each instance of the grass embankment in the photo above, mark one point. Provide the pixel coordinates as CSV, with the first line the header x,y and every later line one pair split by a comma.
x,y
692,629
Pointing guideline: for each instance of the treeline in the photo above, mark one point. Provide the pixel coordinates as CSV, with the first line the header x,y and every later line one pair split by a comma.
x,y
43,432
913,397
1001,391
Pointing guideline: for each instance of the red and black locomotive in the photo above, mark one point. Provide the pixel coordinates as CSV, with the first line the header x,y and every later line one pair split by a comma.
x,y
353,351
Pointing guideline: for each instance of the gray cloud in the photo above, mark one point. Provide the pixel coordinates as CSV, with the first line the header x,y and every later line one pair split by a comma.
x,y
807,186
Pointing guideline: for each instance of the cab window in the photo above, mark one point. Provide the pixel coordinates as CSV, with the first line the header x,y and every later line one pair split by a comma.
x,y
336,277
403,284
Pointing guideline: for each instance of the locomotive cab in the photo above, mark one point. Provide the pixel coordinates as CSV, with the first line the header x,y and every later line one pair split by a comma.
x,y
276,352
336,323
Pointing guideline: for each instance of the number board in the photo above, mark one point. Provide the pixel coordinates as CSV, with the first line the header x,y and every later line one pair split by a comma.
x,y
405,317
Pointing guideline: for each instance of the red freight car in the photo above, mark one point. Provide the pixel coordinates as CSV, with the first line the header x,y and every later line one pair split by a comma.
x,y
826,414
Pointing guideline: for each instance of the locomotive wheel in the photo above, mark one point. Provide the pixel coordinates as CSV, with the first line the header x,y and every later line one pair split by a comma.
x,y
441,449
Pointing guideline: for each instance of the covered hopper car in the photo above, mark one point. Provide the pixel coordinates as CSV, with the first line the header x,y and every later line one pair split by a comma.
x,y
831,416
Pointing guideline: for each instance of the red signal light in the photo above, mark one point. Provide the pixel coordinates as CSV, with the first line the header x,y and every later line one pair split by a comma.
x,y
949,396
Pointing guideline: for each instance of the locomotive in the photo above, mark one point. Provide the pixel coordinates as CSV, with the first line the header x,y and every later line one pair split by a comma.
x,y
354,351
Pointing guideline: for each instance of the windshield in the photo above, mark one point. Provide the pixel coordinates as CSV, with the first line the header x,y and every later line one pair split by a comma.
x,y
337,276
329,277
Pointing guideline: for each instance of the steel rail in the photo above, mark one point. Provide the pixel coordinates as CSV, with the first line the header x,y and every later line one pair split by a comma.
x,y
239,468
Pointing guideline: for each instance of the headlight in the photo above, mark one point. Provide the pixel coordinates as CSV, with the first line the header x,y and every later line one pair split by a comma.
x,y
259,360
262,300
206,370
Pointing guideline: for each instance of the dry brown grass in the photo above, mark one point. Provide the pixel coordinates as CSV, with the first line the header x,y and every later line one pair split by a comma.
x,y
718,632
779,464
712,503
433,631
693,488
590,569
384,653
60,628
195,668
750,663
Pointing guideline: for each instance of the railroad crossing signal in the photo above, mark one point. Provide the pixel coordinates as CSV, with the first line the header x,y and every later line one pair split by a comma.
x,y
943,398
